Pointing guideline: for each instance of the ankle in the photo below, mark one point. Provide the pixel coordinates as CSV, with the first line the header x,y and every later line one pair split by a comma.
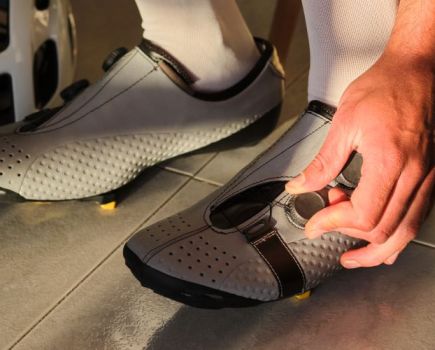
x,y
209,37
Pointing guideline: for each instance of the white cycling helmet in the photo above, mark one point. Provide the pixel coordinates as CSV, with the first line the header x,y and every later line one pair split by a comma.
x,y
38,55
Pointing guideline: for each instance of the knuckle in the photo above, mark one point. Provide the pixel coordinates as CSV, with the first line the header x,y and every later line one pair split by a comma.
x,y
367,226
374,260
378,237
377,262
319,165
396,159
409,232
419,168
366,222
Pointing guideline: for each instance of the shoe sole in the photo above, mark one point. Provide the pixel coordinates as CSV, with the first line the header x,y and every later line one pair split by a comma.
x,y
184,292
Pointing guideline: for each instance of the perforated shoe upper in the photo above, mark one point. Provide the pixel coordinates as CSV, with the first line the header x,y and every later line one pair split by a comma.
x,y
210,244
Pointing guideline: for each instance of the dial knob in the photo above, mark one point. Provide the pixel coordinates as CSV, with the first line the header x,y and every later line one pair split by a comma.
x,y
351,174
70,92
300,208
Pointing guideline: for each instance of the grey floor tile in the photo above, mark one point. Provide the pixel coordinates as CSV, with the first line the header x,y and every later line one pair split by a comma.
x,y
114,277
110,311
7,332
380,308
45,250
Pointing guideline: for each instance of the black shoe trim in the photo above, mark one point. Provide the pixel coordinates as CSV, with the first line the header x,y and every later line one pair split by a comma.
x,y
184,292
277,256
321,108
157,54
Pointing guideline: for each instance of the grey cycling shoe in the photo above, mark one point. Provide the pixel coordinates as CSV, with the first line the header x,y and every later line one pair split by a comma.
x,y
143,111
245,244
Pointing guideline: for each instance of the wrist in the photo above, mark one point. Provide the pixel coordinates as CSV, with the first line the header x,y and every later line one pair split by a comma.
x,y
411,60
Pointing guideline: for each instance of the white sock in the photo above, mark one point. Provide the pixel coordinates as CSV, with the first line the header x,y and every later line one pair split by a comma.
x,y
346,38
209,37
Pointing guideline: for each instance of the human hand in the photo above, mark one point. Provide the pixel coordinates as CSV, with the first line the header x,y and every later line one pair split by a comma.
x,y
387,116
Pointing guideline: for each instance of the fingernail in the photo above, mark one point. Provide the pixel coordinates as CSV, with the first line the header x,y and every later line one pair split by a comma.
x,y
351,264
392,259
296,182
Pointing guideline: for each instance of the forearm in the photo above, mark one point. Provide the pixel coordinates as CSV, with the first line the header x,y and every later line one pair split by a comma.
x,y
413,36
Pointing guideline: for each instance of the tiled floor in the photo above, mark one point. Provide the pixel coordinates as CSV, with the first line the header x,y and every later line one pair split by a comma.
x,y
65,286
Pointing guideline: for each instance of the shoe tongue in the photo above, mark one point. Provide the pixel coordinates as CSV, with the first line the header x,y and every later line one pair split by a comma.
x,y
158,55
321,108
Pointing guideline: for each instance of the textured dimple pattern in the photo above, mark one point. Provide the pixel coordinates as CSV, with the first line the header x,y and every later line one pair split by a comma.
x,y
87,168
223,262
13,163
319,258
252,280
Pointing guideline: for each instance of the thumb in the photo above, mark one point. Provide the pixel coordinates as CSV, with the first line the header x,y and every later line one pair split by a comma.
x,y
327,164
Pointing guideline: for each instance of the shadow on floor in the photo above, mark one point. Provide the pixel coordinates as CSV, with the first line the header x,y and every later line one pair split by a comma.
x,y
352,310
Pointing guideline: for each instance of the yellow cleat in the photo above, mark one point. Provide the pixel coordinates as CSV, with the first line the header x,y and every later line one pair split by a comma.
x,y
303,296
108,206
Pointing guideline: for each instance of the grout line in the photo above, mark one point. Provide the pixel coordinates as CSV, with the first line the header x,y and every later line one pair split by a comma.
x,y
106,258
197,178
210,182
177,171
423,243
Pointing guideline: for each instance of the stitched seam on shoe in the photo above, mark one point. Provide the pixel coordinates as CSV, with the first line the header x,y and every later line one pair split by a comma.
x,y
101,105
321,117
90,98
271,268
242,176
294,258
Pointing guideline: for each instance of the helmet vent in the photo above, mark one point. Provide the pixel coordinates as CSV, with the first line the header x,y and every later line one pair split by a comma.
x,y
7,114
4,25
42,5
45,73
